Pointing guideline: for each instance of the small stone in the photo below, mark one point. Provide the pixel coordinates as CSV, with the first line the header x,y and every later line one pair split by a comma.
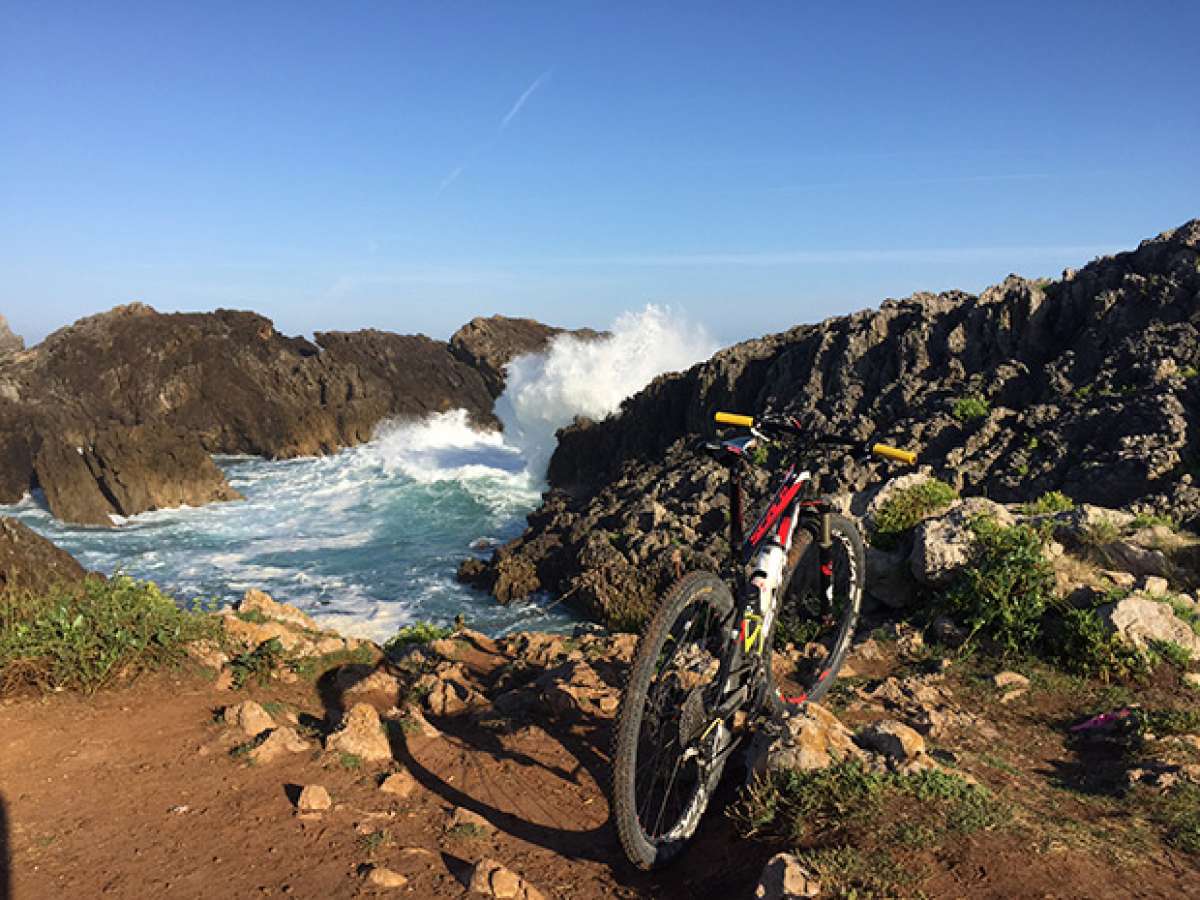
x,y
784,878
379,876
1193,679
224,680
465,818
314,798
250,717
1005,680
399,784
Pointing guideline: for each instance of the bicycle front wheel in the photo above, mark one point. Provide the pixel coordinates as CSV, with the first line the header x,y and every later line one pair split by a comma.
x,y
669,749
817,614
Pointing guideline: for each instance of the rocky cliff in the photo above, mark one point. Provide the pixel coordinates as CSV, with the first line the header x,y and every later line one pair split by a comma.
x,y
488,345
119,412
1089,385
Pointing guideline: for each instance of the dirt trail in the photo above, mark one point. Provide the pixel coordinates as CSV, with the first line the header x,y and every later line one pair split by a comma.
x,y
135,793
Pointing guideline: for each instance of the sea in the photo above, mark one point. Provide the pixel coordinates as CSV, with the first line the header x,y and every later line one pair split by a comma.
x,y
369,539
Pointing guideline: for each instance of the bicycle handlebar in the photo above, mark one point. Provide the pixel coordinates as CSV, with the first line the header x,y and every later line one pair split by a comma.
x,y
792,427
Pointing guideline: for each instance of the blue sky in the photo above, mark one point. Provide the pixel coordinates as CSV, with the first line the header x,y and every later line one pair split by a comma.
x,y
409,166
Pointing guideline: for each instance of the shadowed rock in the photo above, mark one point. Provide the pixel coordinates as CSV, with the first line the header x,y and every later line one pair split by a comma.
x,y
29,562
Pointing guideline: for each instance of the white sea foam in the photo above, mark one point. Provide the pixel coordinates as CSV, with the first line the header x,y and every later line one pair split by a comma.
x,y
576,377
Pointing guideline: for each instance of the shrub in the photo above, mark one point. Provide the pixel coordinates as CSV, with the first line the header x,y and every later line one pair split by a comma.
x,y
1079,641
1150,520
908,506
257,664
84,636
417,633
970,408
1004,592
1049,502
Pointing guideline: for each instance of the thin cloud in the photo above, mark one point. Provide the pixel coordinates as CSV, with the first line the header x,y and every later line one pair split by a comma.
x,y
451,178
521,101
504,123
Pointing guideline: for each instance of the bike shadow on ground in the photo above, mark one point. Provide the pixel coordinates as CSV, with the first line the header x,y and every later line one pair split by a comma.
x,y
5,854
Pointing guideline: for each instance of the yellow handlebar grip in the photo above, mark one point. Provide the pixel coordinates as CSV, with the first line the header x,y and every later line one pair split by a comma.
x,y
904,456
734,419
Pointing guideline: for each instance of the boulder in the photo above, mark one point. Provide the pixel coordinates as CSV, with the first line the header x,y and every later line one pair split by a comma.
x,y
279,743
1141,621
812,738
249,717
361,735
942,545
29,562
893,739
399,784
314,798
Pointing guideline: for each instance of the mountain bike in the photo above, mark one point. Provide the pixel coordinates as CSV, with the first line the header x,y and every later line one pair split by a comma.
x,y
704,664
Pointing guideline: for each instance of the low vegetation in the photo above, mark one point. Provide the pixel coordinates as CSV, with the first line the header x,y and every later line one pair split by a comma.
x,y
417,633
85,636
906,507
1050,502
846,821
970,408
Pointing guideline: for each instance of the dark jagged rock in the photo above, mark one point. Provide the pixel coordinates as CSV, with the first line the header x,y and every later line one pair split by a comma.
x,y
120,411
1089,386
29,562
490,344
9,342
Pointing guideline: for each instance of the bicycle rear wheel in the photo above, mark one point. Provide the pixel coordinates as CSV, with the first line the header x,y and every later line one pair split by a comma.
x,y
818,627
669,751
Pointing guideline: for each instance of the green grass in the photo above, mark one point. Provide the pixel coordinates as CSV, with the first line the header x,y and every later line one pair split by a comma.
x,y
970,408
1049,502
253,616
1100,532
1178,811
86,636
1189,372
312,667
906,507
1165,722
1176,654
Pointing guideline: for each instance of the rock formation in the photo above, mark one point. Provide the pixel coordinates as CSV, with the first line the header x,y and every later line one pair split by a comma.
x,y
8,341
1089,385
118,413
488,345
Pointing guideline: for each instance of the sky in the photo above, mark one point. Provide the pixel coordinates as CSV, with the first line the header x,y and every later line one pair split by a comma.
x,y
408,166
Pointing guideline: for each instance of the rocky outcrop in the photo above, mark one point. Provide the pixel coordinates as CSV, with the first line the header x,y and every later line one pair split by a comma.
x,y
490,344
120,412
9,342
29,562
1088,385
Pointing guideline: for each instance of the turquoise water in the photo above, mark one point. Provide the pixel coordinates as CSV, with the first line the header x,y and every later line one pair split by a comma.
x,y
366,540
